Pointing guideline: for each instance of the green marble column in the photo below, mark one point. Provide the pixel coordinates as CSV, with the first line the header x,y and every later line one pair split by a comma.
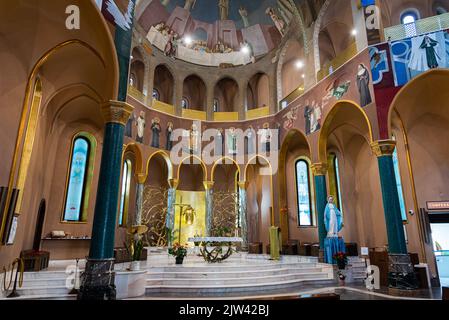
x,y
319,172
392,210
208,186
98,278
401,275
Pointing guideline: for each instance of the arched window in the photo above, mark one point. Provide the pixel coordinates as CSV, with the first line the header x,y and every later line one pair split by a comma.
x,y
79,178
304,195
408,19
334,180
156,95
216,105
440,10
397,174
185,103
124,195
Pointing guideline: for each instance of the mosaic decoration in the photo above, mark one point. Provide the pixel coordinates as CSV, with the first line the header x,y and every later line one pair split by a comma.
x,y
154,211
225,209
413,56
379,64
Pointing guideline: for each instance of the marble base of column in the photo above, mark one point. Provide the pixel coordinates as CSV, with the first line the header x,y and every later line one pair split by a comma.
x,y
97,281
401,273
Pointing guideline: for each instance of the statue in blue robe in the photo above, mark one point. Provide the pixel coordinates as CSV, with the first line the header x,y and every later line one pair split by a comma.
x,y
332,219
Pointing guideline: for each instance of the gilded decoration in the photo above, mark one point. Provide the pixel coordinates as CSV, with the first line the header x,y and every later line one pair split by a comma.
x,y
116,112
383,147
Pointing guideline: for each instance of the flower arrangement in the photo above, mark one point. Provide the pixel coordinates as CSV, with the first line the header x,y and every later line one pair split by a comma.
x,y
178,250
342,259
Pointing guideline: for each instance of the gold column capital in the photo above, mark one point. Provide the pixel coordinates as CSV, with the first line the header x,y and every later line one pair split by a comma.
x,y
116,112
141,178
319,169
243,185
208,184
383,147
173,183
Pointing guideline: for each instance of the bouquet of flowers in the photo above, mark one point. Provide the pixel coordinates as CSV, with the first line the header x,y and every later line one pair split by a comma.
x,y
342,259
178,250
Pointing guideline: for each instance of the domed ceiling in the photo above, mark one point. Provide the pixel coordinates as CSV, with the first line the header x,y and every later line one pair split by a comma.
x,y
230,23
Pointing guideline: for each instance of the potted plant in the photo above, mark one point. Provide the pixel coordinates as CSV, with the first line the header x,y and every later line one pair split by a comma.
x,y
135,246
179,251
342,260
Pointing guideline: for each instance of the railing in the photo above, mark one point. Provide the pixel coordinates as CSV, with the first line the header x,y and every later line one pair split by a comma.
x,y
226,116
257,113
194,114
163,107
417,28
135,93
338,61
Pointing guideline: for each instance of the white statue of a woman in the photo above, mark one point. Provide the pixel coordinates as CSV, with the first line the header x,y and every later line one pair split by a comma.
x,y
333,219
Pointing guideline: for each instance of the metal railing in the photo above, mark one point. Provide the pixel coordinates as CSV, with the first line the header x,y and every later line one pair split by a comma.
x,y
417,28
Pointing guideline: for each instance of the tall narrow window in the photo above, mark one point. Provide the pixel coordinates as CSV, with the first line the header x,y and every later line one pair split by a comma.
x,y
334,180
408,19
124,195
303,193
397,175
79,178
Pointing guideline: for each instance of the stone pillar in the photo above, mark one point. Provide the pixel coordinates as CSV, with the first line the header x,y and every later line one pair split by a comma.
x,y
319,172
210,101
240,104
273,93
139,198
208,186
150,85
98,278
177,92
401,272
358,17
243,186
171,200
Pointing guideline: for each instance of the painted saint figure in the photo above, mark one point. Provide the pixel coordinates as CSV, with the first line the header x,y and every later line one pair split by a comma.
x,y
265,137
232,141
140,124
307,117
169,134
363,81
156,129
219,143
194,139
250,142
432,57
333,219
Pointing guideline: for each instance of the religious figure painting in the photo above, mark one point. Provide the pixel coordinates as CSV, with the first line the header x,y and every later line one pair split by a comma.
x,y
156,131
194,139
413,56
265,137
231,140
140,124
219,142
169,134
312,115
363,84
290,118
250,142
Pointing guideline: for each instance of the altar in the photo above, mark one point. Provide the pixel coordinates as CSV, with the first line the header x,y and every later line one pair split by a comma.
x,y
215,249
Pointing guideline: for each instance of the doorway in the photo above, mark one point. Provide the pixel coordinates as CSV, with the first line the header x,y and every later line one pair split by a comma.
x,y
439,226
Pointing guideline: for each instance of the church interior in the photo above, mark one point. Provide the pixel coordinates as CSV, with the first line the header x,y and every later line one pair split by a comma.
x,y
224,149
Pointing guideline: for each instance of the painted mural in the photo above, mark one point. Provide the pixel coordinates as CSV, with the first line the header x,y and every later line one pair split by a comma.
x,y
413,56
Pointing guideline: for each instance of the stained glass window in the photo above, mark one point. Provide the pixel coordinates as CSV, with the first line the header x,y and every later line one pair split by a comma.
x,y
77,180
337,182
303,193
397,175
124,195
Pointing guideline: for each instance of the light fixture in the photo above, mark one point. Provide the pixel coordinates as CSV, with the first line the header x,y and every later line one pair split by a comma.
x,y
354,32
188,40
245,49
303,76
299,64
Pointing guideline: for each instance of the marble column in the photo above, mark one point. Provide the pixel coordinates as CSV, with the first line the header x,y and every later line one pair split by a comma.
x,y
177,95
141,178
208,186
243,186
210,101
97,281
240,106
171,200
319,172
401,272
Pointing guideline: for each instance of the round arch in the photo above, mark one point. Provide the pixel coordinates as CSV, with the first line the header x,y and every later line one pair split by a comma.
x,y
137,152
165,156
329,121
194,158
222,161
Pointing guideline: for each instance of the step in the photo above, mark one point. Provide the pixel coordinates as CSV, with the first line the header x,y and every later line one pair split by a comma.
x,y
44,291
236,281
229,274
243,288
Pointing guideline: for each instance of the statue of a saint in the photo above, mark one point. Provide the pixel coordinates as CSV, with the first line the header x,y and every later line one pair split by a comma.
x,y
223,9
140,124
189,4
244,14
333,219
